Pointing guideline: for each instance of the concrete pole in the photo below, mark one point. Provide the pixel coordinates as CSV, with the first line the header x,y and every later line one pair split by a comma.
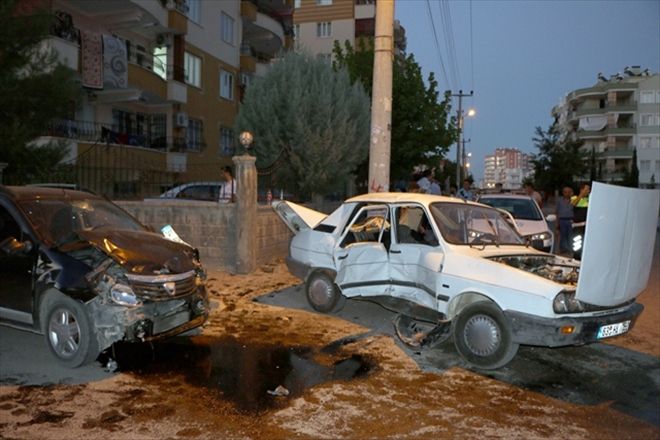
x,y
381,99
459,166
246,213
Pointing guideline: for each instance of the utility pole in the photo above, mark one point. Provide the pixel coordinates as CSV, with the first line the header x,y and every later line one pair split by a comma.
x,y
381,99
464,155
459,165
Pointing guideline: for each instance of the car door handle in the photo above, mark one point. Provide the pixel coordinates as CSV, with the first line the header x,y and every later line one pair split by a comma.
x,y
395,252
343,257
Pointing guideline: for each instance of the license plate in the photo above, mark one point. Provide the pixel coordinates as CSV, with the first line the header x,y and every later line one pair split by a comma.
x,y
613,329
170,322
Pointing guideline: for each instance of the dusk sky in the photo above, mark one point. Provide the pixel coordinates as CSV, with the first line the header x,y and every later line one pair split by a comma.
x,y
527,55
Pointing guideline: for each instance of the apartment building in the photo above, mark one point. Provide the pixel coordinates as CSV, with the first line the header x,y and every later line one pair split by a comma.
x,y
506,166
614,117
161,86
319,23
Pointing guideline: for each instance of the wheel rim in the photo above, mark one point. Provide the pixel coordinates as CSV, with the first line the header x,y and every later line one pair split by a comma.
x,y
320,291
64,333
482,335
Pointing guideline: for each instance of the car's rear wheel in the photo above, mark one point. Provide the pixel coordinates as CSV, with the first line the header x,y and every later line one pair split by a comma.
x,y
322,294
69,334
482,336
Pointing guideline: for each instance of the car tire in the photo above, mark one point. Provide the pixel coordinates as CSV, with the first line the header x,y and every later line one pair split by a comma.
x,y
482,336
69,333
322,293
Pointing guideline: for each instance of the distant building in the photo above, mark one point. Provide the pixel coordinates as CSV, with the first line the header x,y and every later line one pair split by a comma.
x,y
319,23
507,166
615,116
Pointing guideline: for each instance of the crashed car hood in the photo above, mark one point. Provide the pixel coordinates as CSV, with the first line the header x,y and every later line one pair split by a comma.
x,y
297,217
618,244
142,252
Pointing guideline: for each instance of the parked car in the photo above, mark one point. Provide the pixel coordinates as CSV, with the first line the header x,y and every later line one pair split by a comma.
x,y
209,191
528,217
461,267
83,272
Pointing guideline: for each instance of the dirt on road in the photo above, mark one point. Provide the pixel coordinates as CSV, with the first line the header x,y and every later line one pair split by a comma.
x,y
224,384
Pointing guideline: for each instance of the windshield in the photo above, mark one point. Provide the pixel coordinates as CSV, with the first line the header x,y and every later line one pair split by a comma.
x,y
521,209
465,224
57,221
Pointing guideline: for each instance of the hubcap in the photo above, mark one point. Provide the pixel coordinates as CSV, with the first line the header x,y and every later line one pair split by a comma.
x,y
482,335
64,333
320,291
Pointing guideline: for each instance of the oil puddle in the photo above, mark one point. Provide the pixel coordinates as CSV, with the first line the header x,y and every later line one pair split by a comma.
x,y
254,377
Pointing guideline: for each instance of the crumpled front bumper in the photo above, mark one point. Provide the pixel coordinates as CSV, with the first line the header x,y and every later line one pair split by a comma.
x,y
534,330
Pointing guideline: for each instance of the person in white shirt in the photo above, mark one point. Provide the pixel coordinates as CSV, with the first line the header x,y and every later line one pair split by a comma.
x,y
465,193
228,188
425,183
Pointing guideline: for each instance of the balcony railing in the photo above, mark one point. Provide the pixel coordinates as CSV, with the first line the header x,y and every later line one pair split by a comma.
x,y
87,131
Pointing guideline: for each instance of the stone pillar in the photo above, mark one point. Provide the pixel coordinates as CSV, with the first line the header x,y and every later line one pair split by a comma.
x,y
246,213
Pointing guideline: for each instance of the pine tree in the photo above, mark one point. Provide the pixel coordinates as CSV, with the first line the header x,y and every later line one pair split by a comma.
x,y
310,124
558,161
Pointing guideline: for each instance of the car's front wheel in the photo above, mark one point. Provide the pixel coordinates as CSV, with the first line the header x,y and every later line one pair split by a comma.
x,y
482,336
322,294
69,334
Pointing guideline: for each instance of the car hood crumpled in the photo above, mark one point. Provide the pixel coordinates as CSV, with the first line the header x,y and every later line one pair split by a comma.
x,y
142,252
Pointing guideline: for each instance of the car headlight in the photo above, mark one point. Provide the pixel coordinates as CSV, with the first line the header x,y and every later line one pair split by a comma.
x,y
565,302
542,236
124,295
577,242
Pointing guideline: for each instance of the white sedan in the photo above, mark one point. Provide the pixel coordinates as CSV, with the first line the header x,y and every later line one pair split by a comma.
x,y
462,268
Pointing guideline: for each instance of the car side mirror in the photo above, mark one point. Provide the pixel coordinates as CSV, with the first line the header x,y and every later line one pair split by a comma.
x,y
551,218
11,246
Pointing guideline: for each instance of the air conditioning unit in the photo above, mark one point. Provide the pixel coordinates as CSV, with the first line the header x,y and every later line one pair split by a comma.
x,y
180,119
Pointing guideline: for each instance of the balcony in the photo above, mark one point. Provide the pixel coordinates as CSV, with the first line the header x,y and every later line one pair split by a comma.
x,y
94,132
617,153
601,90
264,35
626,131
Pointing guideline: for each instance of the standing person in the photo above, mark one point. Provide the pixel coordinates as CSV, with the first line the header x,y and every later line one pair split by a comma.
x,y
228,188
424,183
564,214
434,188
465,193
529,190
581,203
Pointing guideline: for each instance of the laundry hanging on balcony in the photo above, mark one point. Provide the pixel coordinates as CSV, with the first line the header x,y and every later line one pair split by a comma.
x,y
91,59
593,123
115,62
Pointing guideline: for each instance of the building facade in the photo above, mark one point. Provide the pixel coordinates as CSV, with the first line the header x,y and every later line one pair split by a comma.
x,y
508,167
319,23
161,84
614,118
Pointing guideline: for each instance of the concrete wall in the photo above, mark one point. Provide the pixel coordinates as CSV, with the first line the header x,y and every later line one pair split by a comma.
x,y
211,228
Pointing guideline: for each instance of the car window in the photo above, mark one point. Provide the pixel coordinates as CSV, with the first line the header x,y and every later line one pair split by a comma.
x,y
413,226
522,209
198,192
8,226
370,224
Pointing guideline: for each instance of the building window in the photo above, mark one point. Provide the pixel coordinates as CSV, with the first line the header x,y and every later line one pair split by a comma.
x,y
195,135
323,2
324,29
227,28
296,4
649,119
645,165
647,97
296,31
160,61
193,69
194,10
226,84
226,142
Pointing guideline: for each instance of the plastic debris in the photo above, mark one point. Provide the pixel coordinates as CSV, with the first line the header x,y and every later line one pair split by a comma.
x,y
280,391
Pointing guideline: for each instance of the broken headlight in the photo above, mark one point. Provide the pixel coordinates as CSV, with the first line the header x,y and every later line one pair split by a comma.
x,y
565,302
124,295
542,236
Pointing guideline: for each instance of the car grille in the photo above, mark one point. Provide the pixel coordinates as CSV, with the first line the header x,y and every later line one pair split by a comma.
x,y
163,287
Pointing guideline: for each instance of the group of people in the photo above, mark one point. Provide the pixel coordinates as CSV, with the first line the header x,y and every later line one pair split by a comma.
x,y
571,211
428,184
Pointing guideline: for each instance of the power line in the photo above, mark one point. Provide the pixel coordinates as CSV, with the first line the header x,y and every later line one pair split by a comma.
x,y
471,51
437,44
448,30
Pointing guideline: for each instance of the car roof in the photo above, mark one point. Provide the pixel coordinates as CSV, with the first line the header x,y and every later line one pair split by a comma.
x,y
505,196
406,197
37,192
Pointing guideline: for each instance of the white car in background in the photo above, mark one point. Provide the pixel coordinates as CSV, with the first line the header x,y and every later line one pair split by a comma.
x,y
462,269
528,217
209,191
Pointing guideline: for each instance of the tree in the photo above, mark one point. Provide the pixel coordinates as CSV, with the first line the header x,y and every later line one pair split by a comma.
x,y
558,161
422,130
34,89
310,124
631,178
